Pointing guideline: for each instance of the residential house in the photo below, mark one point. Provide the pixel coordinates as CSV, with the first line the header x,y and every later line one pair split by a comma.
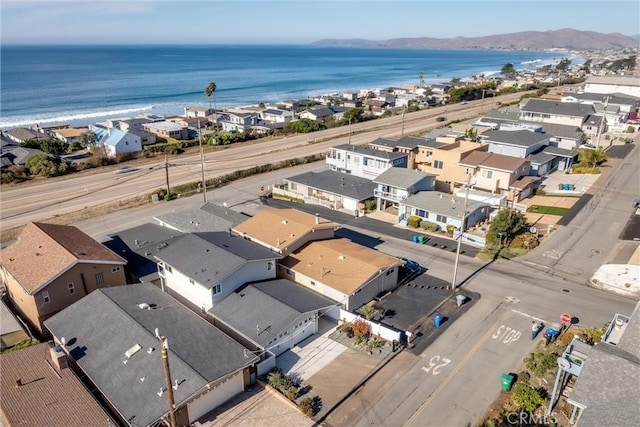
x,y
364,162
331,189
38,389
443,160
239,121
270,316
626,85
290,104
135,123
19,135
499,174
69,135
15,155
11,332
348,273
208,217
114,339
116,141
318,114
146,138
285,230
189,122
609,372
562,113
139,246
406,144
166,129
275,116
396,184
443,209
198,111
625,103
440,88
51,266
217,264
375,106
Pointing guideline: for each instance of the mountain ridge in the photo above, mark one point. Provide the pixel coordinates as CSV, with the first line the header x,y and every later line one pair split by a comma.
x,y
566,38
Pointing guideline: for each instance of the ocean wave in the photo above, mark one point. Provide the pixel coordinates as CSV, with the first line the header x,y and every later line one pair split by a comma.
x,y
68,116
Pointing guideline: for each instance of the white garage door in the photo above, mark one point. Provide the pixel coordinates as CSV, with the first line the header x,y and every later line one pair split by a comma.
x,y
216,397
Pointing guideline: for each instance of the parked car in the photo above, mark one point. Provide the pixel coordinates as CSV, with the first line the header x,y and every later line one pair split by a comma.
x,y
588,146
440,119
125,169
412,266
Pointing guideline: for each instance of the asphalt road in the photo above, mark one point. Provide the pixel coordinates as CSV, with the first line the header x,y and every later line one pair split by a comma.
x,y
55,196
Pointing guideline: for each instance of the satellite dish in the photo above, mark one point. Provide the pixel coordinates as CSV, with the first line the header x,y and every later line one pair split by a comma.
x,y
157,333
224,204
533,230
564,363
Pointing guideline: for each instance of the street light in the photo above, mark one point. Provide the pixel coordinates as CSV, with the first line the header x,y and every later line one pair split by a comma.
x,y
462,227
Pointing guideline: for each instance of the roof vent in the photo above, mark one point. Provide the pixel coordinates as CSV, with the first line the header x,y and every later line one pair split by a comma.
x,y
284,221
341,257
144,306
133,350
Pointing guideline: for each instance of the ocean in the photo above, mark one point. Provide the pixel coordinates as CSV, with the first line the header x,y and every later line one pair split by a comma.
x,y
79,85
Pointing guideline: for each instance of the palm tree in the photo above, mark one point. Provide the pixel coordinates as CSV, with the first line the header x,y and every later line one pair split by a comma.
x,y
209,90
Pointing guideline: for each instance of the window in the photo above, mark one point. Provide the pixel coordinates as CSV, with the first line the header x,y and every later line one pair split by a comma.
x,y
293,186
487,173
168,267
312,283
438,164
216,289
99,279
441,218
115,269
288,271
45,297
192,281
422,213
269,265
356,160
72,290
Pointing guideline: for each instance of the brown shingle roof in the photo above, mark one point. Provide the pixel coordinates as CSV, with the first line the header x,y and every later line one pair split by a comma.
x,y
339,263
46,397
279,228
493,161
43,251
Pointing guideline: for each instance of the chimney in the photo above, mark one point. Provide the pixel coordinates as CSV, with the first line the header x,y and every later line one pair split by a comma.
x,y
18,383
317,218
58,358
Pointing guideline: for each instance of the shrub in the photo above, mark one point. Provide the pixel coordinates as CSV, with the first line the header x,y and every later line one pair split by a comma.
x,y
7,177
361,328
306,406
278,380
526,397
450,229
413,221
540,192
370,205
429,226
526,241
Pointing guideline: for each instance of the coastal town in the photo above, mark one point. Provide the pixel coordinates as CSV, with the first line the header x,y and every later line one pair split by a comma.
x,y
356,287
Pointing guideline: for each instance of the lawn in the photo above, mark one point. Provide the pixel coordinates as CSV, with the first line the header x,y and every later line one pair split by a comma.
x,y
547,210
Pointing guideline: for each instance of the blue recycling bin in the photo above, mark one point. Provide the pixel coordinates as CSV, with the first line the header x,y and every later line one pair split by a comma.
x,y
415,238
437,320
566,187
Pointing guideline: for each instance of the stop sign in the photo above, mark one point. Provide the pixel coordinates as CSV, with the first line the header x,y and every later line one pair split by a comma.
x,y
565,318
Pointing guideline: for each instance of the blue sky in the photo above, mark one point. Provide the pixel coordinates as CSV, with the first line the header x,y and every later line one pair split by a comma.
x,y
297,21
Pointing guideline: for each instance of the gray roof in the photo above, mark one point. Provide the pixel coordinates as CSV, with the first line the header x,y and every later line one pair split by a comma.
x,y
8,322
570,109
414,141
540,157
386,155
630,340
261,311
101,327
402,177
616,98
557,151
25,134
551,129
347,185
209,217
212,256
522,138
608,387
138,245
385,142
321,111
441,203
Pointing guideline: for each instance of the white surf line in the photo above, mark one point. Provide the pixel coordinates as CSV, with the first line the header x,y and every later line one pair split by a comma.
x,y
530,316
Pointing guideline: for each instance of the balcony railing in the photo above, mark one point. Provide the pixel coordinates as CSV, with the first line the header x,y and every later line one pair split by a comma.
x,y
389,196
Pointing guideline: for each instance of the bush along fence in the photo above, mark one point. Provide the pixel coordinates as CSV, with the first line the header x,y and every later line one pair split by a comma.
x,y
292,389
220,181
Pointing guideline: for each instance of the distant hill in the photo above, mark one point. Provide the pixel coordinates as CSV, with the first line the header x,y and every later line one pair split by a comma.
x,y
530,40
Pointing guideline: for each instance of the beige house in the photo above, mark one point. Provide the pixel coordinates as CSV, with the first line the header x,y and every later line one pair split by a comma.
x,y
443,161
52,266
285,230
69,135
499,174
346,272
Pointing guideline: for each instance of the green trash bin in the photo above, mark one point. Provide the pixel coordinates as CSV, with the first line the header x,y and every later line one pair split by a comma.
x,y
422,239
506,380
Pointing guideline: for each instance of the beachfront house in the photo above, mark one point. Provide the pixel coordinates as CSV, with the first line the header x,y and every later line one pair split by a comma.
x,y
115,141
50,267
239,122
348,273
198,112
328,188
217,265
167,130
69,135
275,117
318,114
396,184
626,85
113,339
364,162
549,111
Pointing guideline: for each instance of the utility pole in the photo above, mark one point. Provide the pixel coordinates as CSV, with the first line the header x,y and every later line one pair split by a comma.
x,y
402,131
603,121
166,172
164,345
462,226
350,130
482,102
204,183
